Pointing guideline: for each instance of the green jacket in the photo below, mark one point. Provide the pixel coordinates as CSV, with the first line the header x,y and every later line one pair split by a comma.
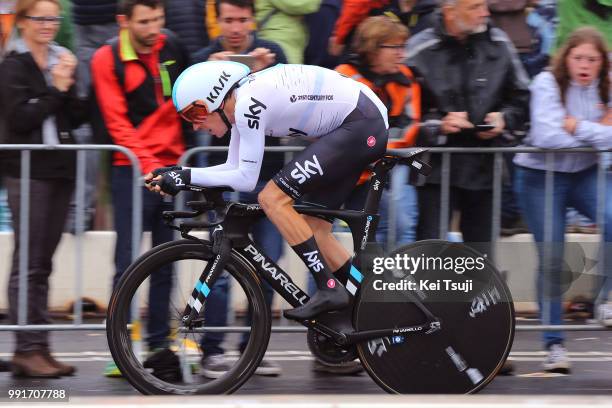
x,y
65,34
286,26
575,13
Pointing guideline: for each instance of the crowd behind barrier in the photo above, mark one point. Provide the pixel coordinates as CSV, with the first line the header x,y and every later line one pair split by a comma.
x,y
433,107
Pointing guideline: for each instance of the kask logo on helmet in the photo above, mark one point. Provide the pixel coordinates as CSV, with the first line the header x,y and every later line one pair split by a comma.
x,y
217,89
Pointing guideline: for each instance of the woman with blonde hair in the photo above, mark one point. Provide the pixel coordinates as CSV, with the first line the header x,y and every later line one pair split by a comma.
x,y
40,106
570,107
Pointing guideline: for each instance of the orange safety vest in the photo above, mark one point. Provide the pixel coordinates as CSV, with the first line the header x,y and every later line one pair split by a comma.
x,y
399,98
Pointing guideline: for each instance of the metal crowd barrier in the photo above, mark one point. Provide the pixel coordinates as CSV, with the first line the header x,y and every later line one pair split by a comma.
x,y
137,219
79,221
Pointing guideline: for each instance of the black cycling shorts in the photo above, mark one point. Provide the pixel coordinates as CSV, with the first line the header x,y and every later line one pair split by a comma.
x,y
327,171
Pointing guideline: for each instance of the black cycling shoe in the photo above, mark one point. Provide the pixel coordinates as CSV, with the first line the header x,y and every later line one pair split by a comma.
x,y
165,364
322,301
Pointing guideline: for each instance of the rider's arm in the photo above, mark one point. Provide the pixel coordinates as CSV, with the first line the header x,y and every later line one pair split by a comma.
x,y
241,170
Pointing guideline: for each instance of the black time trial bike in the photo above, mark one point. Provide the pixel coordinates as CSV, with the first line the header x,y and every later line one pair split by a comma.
x,y
430,317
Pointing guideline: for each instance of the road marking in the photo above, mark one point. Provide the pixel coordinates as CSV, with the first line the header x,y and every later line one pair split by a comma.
x,y
303,355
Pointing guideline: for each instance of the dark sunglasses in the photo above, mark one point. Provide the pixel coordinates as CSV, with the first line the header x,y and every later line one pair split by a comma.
x,y
43,19
196,111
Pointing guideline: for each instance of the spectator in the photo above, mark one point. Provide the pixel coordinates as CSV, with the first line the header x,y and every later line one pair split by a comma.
x,y
135,99
530,33
187,19
7,24
320,28
235,19
352,14
470,75
579,13
65,35
94,24
282,21
379,44
570,108
40,106
418,15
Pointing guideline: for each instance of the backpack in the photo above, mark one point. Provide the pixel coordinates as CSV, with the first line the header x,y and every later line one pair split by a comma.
x,y
507,6
99,130
510,16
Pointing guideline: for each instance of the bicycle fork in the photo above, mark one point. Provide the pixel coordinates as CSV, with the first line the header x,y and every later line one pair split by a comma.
x,y
221,249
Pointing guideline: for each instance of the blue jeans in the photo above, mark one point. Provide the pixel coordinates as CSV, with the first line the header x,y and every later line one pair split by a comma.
x,y
161,281
266,237
578,190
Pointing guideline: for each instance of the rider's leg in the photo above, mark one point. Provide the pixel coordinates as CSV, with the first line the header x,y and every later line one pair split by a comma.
x,y
333,251
331,295
336,256
324,174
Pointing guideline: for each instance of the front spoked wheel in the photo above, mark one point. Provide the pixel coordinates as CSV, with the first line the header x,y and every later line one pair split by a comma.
x,y
467,295
176,368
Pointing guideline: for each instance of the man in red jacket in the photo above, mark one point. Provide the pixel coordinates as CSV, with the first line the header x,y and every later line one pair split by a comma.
x,y
133,77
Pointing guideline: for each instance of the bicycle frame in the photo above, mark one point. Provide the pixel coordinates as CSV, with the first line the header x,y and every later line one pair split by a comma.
x,y
231,236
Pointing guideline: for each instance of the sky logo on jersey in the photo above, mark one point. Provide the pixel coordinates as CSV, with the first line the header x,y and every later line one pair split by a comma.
x,y
214,94
303,172
255,110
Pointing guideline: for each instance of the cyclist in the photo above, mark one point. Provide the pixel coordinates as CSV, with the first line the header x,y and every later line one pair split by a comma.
x,y
346,122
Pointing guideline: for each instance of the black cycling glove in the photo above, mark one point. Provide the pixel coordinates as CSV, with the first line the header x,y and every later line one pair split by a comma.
x,y
162,170
175,180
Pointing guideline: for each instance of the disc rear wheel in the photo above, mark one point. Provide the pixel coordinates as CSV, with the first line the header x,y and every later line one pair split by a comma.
x,y
475,311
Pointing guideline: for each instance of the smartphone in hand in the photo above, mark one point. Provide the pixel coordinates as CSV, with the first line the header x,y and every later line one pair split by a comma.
x,y
245,59
483,127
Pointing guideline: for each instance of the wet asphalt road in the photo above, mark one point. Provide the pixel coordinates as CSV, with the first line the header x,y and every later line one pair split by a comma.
x,y
590,354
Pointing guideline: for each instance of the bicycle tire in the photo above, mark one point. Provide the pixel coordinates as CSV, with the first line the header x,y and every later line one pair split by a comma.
x,y
463,356
118,315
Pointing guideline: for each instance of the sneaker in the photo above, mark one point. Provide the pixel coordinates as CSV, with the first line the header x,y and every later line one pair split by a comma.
x,y
112,371
557,361
268,368
214,366
165,365
604,314
349,368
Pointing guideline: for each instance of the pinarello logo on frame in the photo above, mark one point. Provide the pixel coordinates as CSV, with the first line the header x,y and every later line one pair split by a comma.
x,y
371,141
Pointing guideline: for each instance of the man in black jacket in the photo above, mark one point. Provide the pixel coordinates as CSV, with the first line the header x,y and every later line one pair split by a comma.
x,y
470,75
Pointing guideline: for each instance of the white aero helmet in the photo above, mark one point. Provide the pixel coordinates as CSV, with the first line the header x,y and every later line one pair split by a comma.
x,y
201,88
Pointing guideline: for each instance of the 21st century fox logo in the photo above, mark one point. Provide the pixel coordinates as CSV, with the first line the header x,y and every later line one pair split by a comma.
x,y
299,98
